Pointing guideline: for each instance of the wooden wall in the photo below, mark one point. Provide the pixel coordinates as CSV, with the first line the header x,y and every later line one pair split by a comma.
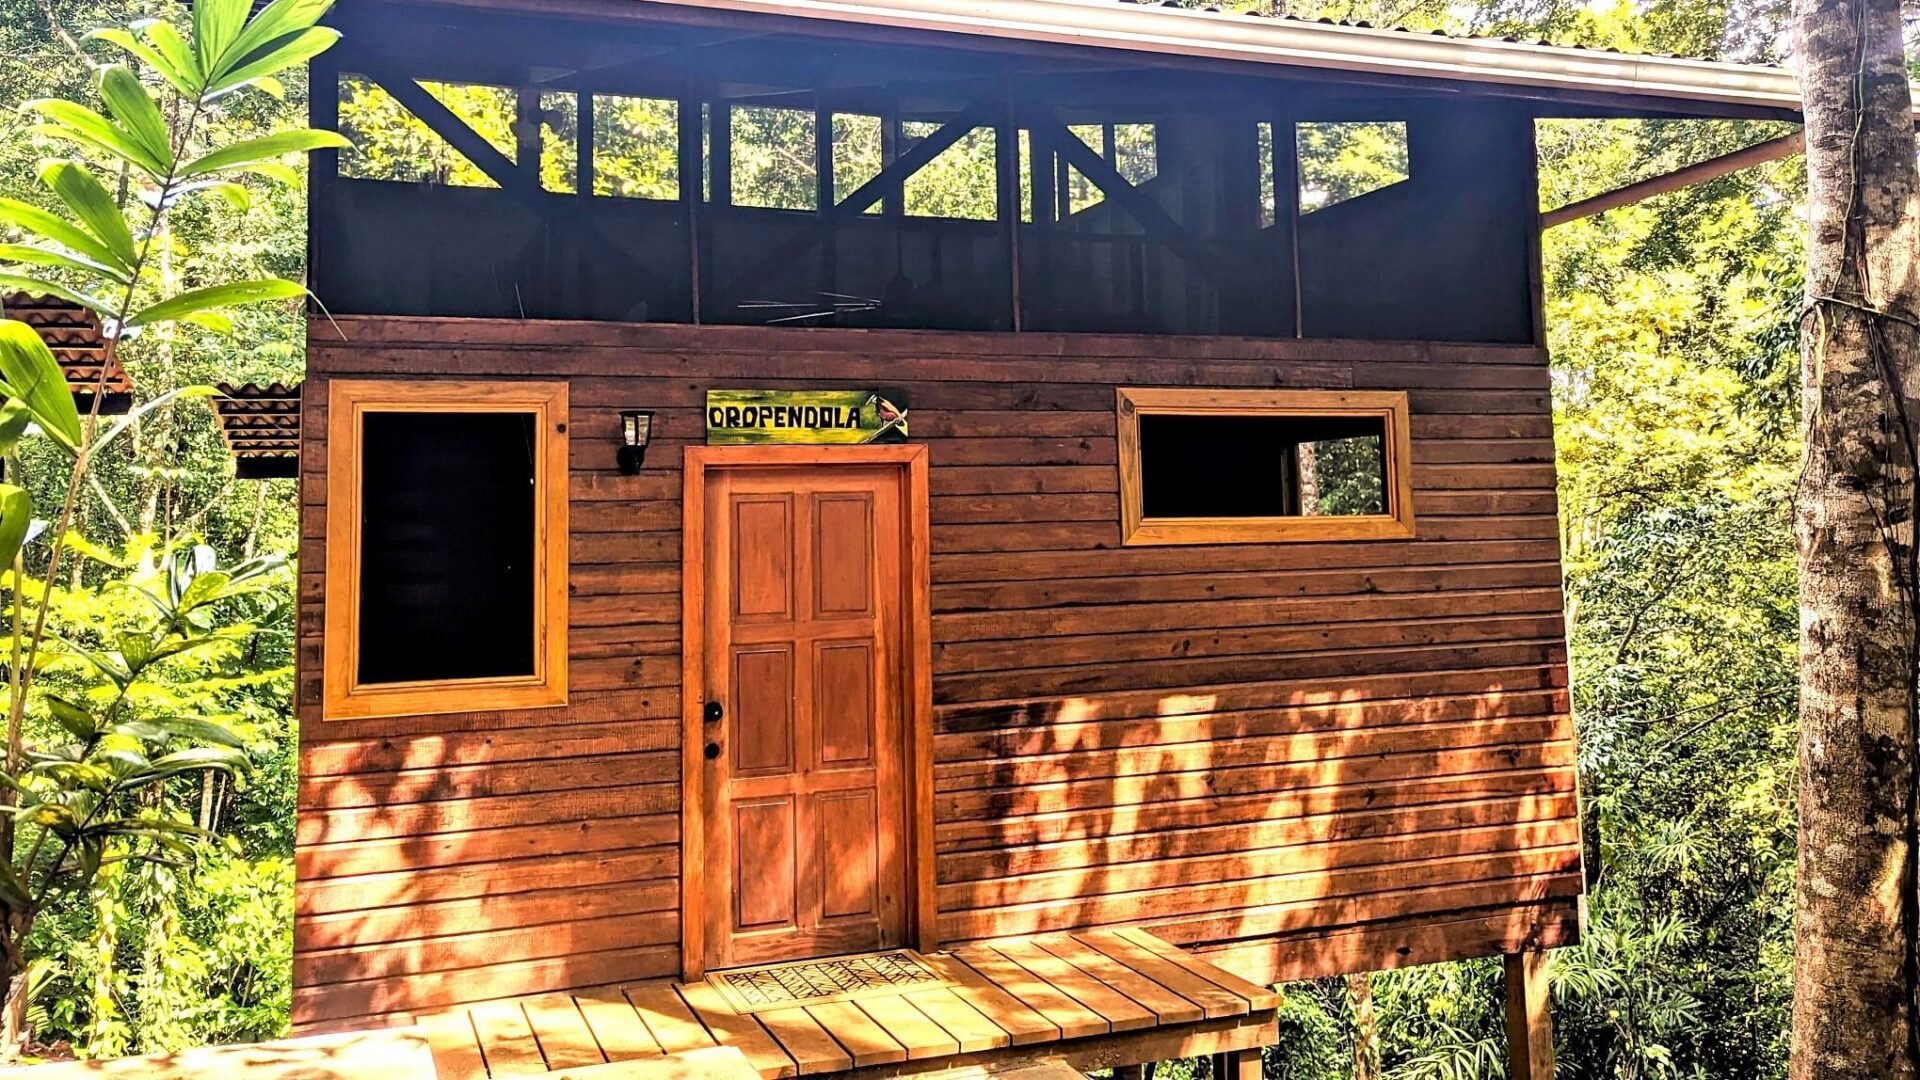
x,y
1309,757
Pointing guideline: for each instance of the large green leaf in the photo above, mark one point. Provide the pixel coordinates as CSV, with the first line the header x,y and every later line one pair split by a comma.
x,y
35,378
218,296
16,513
14,420
279,19
180,79
47,256
77,123
177,49
130,104
277,56
26,283
50,226
74,717
250,153
201,729
90,202
216,24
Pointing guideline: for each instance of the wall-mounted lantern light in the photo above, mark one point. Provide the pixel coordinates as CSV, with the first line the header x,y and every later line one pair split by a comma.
x,y
636,428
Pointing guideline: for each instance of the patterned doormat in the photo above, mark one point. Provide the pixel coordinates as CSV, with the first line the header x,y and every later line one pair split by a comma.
x,y
817,982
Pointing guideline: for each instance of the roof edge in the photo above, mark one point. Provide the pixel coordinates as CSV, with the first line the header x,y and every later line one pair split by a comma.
x,y
1140,28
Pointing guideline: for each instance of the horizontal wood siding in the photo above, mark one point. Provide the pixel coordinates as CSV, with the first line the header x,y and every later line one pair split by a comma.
x,y
1299,758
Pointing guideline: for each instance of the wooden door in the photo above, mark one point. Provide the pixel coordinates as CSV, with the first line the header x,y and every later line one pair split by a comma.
x,y
804,807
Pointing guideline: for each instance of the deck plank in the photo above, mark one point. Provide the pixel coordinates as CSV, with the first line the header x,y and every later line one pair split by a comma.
x,y
707,1063
1074,1020
1262,998
968,1026
668,1019
616,1025
867,1041
565,1040
507,1039
1166,1006
731,1029
1205,993
383,1053
921,1036
1022,1023
805,1041
455,1045
1121,1012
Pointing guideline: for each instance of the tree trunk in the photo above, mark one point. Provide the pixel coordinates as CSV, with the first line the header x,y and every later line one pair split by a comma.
x,y
1854,962
1366,1029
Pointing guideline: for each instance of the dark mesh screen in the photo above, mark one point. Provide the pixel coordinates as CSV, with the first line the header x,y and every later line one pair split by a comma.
x,y
1261,466
446,546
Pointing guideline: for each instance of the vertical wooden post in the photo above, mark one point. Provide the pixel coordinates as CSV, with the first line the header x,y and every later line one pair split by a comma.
x,y
1529,1023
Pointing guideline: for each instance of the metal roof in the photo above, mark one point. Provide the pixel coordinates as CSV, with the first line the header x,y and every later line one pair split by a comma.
x,y
1350,47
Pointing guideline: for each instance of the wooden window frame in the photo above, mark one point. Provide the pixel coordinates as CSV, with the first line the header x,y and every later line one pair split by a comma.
x,y
916,705
1390,407
348,402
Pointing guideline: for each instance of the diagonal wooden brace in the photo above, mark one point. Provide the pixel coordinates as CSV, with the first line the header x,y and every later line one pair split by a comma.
x,y
918,157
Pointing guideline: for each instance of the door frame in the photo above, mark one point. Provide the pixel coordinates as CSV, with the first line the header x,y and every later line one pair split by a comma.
x,y
916,706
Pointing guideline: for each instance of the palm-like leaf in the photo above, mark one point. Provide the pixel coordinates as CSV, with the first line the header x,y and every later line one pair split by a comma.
x,y
33,377
251,153
78,124
59,230
16,515
217,296
95,209
139,117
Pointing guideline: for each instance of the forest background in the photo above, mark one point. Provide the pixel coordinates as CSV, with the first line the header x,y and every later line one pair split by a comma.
x,y
1676,413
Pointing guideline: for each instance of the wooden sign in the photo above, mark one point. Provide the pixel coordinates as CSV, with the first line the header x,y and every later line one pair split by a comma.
x,y
811,417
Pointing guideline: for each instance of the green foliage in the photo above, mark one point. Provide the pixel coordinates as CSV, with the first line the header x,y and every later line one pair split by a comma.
x,y
148,785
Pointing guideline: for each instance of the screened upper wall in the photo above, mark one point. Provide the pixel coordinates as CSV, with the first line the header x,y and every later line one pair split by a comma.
x,y
658,172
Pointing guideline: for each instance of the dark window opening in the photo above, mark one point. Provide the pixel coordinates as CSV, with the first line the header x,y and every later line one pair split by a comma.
x,y
1344,161
446,546
1213,466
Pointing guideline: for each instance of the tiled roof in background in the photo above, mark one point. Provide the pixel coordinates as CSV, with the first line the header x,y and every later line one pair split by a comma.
x,y
261,425
73,333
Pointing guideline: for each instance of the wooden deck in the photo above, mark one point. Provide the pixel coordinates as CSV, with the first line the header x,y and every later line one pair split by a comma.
x,y
1093,1000
380,1054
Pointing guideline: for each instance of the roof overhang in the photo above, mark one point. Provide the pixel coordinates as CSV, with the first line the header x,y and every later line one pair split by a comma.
x,y
1214,35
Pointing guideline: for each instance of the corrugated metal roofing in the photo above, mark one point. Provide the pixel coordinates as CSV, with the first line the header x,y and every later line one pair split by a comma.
x,y
1171,29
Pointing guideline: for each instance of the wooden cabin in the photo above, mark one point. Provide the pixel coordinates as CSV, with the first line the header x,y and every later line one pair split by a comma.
x,y
787,481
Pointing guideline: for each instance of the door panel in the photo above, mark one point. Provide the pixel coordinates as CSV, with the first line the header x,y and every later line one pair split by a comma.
x,y
843,702
849,842
762,694
764,863
804,797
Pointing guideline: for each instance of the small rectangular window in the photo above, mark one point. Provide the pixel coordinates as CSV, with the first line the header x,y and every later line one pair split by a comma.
x,y
1342,161
961,181
636,147
772,162
1257,466
446,547
859,150
390,143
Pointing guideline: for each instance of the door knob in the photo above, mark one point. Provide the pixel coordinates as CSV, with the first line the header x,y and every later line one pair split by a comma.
x,y
712,750
713,712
